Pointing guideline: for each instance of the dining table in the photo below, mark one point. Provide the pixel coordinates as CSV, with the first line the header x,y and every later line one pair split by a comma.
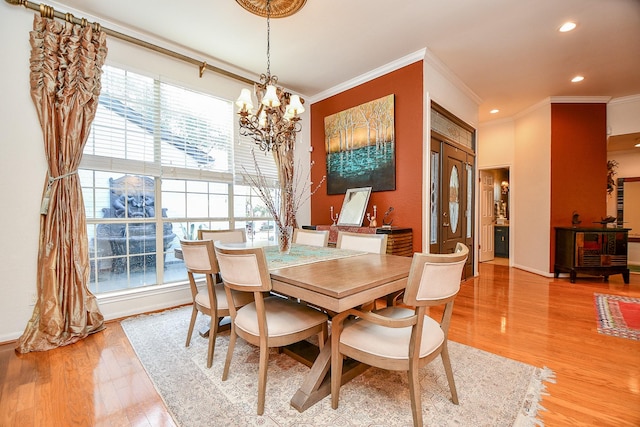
x,y
333,280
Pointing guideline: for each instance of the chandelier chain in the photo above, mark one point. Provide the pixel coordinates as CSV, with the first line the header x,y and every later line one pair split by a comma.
x,y
277,119
268,38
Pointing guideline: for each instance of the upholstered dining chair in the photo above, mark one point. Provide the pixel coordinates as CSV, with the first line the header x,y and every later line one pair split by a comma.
x,y
374,243
237,235
199,258
270,321
399,338
311,237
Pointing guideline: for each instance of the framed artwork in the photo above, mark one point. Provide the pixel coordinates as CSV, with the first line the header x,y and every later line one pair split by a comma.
x,y
354,206
360,146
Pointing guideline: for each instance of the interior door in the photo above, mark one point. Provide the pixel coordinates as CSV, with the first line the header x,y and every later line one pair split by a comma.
x,y
487,216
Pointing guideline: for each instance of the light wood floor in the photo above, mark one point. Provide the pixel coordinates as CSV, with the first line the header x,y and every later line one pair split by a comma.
x,y
523,316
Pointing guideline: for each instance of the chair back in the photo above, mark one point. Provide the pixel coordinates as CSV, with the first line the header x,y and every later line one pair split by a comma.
x,y
311,237
237,235
243,269
373,243
435,278
199,256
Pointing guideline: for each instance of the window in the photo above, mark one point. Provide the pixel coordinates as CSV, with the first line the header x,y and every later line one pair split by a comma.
x,y
162,158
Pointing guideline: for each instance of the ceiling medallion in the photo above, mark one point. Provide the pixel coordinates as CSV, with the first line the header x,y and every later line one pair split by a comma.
x,y
279,8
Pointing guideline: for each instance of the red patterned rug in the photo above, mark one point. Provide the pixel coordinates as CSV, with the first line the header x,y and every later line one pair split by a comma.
x,y
618,316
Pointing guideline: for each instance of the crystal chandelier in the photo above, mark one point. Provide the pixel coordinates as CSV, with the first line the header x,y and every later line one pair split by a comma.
x,y
277,121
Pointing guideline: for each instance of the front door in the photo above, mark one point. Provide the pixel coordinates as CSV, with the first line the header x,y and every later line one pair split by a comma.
x,y
456,203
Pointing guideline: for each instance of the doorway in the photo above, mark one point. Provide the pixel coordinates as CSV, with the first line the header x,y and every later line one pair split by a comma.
x,y
494,216
452,195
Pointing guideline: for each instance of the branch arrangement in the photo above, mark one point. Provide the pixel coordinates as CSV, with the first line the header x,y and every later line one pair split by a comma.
x,y
294,192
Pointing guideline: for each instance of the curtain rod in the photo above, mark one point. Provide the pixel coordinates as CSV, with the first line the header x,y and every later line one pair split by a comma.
x,y
49,12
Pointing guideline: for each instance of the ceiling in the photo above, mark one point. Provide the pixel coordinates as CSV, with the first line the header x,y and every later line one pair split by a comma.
x,y
626,142
507,52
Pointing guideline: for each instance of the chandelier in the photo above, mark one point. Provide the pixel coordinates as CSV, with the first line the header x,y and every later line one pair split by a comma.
x,y
277,121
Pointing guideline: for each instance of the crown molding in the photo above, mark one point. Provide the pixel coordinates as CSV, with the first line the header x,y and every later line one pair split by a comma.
x,y
625,99
563,100
579,99
373,74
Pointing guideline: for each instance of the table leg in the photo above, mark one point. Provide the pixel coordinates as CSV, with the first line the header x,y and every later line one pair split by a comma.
x,y
223,325
317,383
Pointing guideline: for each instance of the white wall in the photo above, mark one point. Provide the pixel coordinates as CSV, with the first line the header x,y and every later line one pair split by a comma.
x,y
444,88
623,117
496,144
24,168
530,182
524,145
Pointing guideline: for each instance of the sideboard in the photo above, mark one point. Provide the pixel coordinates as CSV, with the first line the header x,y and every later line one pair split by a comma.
x,y
399,241
595,251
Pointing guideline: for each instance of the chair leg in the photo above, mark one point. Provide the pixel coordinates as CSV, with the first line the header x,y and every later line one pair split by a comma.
x,y
416,395
322,336
262,377
336,373
447,368
232,344
213,333
194,314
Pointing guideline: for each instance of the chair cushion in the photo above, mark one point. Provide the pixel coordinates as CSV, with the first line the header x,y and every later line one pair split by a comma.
x,y
284,317
391,343
240,298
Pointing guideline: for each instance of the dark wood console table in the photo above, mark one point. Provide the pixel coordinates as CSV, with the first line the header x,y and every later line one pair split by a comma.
x,y
399,241
596,251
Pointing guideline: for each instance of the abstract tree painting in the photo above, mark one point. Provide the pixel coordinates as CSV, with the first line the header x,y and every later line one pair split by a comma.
x,y
360,146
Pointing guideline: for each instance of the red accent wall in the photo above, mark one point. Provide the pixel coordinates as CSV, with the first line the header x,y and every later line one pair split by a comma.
x,y
406,85
578,165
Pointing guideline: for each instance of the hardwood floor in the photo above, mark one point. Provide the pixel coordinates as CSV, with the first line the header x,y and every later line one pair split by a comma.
x,y
523,316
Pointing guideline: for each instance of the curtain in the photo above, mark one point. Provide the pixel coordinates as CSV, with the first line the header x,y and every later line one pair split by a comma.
x,y
66,62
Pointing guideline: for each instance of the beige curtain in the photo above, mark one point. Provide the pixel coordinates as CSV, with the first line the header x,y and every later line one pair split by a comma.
x,y
66,62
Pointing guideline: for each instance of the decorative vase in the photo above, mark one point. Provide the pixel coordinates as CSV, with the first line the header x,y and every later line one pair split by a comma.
x,y
285,235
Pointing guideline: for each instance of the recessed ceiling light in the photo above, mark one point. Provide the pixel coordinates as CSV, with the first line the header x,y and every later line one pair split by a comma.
x,y
577,79
637,145
494,111
567,26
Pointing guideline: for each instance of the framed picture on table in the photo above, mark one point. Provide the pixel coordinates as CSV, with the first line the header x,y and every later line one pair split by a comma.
x,y
354,206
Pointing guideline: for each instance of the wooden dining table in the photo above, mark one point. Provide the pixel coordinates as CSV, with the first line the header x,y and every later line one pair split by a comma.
x,y
334,280
337,285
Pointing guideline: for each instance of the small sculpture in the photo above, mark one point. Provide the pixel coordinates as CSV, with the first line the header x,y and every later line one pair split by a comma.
x,y
575,219
384,218
607,220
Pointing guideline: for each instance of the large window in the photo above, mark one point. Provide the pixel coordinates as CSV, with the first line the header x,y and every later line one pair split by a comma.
x,y
161,162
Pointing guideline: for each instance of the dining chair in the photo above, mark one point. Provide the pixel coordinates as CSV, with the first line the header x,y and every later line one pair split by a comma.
x,y
311,237
269,321
237,235
401,338
199,258
374,243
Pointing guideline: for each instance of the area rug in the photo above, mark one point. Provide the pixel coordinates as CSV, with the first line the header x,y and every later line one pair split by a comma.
x,y
618,316
492,390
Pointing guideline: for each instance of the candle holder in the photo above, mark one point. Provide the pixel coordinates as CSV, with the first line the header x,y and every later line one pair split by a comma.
x,y
372,218
333,218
